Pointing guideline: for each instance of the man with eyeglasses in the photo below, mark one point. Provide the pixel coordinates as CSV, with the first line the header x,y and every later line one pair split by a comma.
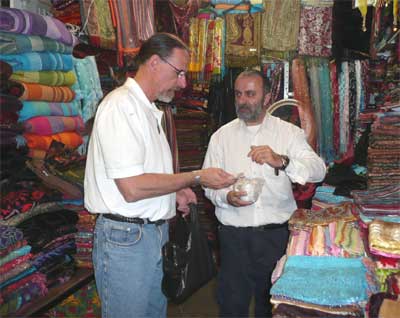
x,y
130,184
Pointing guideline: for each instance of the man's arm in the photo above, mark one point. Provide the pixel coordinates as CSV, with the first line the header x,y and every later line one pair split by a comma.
x,y
150,185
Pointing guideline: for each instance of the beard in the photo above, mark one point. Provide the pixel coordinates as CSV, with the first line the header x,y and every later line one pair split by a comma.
x,y
167,96
247,113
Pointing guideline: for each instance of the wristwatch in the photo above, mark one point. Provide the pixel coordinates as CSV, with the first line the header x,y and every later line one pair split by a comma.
x,y
197,178
285,162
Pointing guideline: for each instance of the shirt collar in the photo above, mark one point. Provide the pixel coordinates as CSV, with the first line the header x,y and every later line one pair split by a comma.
x,y
135,87
263,125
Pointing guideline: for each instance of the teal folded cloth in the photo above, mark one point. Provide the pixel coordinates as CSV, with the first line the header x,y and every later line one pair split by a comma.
x,y
38,61
13,43
323,280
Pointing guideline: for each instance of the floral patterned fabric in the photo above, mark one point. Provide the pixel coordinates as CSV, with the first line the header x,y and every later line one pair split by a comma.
x,y
315,36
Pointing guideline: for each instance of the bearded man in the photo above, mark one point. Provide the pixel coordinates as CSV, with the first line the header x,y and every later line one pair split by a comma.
x,y
253,235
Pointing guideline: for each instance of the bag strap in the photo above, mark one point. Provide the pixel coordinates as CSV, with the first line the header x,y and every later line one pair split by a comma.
x,y
194,216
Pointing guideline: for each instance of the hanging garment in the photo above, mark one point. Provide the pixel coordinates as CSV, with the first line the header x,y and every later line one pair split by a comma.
x,y
315,36
278,31
242,40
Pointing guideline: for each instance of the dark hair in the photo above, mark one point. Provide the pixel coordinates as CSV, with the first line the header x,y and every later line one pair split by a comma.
x,y
161,44
256,73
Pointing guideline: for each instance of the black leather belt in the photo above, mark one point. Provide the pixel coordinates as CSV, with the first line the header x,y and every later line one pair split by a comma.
x,y
121,218
272,226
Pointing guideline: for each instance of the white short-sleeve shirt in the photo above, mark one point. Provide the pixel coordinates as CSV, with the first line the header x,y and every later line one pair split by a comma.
x,y
127,140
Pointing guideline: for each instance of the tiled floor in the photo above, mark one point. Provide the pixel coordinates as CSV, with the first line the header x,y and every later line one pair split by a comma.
x,y
201,304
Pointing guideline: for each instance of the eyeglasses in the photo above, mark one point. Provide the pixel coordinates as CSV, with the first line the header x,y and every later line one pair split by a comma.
x,y
179,73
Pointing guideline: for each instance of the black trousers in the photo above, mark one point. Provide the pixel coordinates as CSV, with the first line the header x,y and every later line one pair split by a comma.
x,y
248,257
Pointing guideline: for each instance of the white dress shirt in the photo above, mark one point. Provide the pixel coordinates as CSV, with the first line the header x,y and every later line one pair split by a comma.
x,y
228,149
127,140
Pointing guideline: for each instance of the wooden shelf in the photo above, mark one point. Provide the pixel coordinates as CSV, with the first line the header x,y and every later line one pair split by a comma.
x,y
82,277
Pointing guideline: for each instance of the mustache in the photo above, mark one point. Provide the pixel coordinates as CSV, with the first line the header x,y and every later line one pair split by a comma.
x,y
242,106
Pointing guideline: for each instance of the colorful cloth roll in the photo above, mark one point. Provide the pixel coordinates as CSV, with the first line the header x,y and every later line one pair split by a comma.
x,y
47,93
48,125
32,109
39,61
26,22
13,43
51,78
69,139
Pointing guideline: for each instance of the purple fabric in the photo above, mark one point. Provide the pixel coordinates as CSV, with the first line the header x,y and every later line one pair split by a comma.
x,y
25,22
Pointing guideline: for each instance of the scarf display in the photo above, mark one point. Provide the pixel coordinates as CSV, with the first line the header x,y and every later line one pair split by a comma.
x,y
278,32
242,39
315,36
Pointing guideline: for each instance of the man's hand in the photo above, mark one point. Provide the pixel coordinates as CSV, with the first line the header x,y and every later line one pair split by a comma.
x,y
215,178
183,198
264,154
234,198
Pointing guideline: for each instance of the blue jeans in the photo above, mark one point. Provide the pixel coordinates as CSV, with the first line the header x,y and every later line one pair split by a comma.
x,y
128,268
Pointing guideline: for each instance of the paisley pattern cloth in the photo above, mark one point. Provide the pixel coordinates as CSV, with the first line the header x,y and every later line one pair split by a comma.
x,y
242,39
315,36
26,22
13,43
9,235
278,32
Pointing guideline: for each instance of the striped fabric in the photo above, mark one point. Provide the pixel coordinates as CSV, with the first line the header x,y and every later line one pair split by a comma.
x,y
135,24
51,78
25,22
12,43
47,93
48,125
39,61
33,109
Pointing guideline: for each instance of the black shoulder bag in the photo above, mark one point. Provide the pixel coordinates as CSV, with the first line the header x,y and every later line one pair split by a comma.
x,y
187,260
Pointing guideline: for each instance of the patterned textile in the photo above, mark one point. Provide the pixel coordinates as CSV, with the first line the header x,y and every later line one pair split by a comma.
x,y
70,139
315,36
303,218
35,108
70,14
9,235
13,43
384,238
51,78
39,61
99,23
47,125
182,12
25,22
10,265
278,32
134,21
273,71
30,287
26,249
88,87
38,92
329,281
242,39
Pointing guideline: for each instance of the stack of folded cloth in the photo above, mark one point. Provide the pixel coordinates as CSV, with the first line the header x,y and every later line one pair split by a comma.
x,y
20,282
384,150
39,49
